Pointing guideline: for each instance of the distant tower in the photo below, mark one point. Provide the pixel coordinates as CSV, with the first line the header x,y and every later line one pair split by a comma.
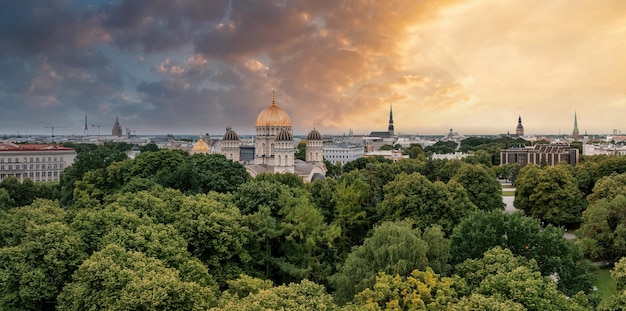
x,y
390,121
117,129
284,152
86,132
231,145
575,131
314,147
519,131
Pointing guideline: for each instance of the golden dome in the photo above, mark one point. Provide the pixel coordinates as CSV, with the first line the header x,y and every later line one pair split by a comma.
x,y
273,116
200,145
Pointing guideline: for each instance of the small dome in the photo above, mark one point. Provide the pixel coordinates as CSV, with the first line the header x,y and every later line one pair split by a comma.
x,y
230,135
314,135
273,116
284,135
200,145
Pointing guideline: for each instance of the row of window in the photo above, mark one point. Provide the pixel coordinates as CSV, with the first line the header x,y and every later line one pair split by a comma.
x,y
31,166
36,176
43,159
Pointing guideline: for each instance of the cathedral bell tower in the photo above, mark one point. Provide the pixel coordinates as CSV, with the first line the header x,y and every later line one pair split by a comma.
x,y
390,121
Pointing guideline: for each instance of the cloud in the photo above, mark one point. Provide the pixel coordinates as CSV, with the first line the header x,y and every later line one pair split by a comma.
x,y
191,66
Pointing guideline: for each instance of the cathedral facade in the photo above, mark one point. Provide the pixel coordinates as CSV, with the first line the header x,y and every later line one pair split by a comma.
x,y
274,147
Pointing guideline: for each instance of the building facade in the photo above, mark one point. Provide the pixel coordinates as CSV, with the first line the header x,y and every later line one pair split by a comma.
x,y
540,154
34,161
343,152
117,128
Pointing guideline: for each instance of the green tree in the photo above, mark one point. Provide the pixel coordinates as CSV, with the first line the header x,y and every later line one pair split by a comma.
x,y
608,188
425,202
549,194
163,242
93,224
90,159
308,239
421,290
21,194
215,233
5,200
287,179
14,222
507,278
393,248
603,231
441,147
524,237
350,214
34,271
304,296
116,279
254,194
482,187
415,151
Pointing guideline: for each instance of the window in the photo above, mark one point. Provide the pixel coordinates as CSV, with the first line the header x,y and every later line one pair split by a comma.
x,y
49,159
54,159
2,167
17,160
36,159
9,160
55,166
10,167
30,175
37,166
24,166
31,159
31,166
49,174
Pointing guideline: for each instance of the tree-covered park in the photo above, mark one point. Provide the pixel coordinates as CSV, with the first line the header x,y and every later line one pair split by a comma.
x,y
173,231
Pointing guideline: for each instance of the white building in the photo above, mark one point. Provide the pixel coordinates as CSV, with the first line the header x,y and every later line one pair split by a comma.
x,y
607,149
342,153
38,162
393,155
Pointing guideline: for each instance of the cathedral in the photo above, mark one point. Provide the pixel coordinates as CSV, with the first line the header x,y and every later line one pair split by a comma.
x,y
274,148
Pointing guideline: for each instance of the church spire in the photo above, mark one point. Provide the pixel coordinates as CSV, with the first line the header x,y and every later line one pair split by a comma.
x,y
519,131
575,131
390,120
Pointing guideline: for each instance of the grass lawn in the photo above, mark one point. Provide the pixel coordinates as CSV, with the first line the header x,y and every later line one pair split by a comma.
x,y
508,193
507,186
605,284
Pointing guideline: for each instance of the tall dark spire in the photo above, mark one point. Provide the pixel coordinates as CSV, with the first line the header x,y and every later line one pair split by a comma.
x,y
86,132
575,131
519,131
390,120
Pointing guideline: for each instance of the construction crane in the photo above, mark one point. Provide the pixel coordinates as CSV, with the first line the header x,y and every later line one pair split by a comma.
x,y
97,125
52,128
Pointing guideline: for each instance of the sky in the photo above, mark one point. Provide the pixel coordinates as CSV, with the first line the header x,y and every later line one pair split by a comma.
x,y
199,66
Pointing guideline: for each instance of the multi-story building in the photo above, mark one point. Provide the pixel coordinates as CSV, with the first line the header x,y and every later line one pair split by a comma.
x,y
342,153
35,161
540,154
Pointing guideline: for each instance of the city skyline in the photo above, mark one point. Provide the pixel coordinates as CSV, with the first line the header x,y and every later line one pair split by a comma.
x,y
191,66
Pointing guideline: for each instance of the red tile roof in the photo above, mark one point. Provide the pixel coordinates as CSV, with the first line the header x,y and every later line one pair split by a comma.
x,y
31,147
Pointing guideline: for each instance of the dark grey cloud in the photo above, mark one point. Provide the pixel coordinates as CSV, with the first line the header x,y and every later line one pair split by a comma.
x,y
196,65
